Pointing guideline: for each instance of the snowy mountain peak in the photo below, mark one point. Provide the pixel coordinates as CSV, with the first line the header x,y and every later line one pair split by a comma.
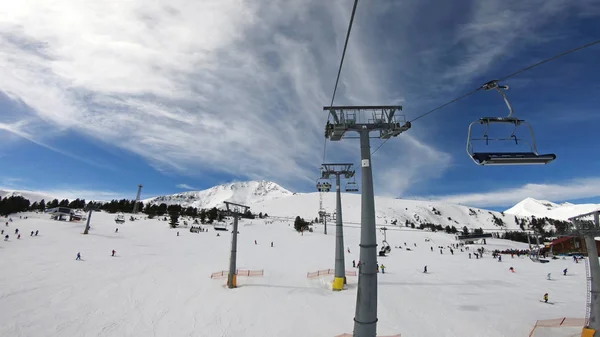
x,y
544,208
242,192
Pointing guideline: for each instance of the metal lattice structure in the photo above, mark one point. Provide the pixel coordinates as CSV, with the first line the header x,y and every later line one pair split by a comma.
x,y
364,120
588,226
234,210
346,171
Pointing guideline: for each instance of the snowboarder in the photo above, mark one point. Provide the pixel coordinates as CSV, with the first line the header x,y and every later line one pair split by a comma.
x,y
113,252
549,276
546,298
271,243
382,269
353,264
565,272
425,269
78,256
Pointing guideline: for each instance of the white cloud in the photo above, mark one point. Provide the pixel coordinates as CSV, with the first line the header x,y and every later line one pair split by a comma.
x,y
186,187
572,190
64,193
237,87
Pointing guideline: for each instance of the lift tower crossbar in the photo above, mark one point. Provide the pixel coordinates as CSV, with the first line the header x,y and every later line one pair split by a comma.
x,y
588,226
338,170
234,210
384,120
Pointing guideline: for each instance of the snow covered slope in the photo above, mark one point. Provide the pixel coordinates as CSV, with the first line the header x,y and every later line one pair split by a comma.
x,y
387,210
248,192
30,195
159,284
543,208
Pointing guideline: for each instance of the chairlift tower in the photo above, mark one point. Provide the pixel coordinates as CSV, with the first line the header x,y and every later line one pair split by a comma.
x,y
588,226
234,210
382,119
136,205
338,170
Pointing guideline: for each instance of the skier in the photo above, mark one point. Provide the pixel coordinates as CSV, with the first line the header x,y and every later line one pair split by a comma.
x,y
6,237
113,252
177,233
2,232
353,264
441,251
451,251
255,242
432,249
348,250
78,256
565,272
271,243
31,233
382,269
512,270
499,258
116,230
36,232
546,298
469,255
19,236
425,269
16,231
549,276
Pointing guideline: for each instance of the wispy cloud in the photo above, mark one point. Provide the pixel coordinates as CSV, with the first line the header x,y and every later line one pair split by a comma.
x,y
571,190
185,187
66,193
238,87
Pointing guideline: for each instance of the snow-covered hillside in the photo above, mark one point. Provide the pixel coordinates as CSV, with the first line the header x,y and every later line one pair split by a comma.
x,y
30,195
388,210
544,208
247,193
159,284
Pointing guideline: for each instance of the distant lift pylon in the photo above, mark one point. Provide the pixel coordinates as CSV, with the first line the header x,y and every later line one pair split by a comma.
x,y
505,158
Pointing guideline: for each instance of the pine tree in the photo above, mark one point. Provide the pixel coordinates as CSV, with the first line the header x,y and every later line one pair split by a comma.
x,y
174,219
42,205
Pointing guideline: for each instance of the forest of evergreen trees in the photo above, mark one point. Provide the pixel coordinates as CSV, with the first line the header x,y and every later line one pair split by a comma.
x,y
15,204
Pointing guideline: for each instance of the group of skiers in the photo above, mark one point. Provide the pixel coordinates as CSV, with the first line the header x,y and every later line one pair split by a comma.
x,y
6,237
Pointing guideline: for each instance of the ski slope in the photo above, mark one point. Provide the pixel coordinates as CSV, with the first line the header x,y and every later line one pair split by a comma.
x,y
159,283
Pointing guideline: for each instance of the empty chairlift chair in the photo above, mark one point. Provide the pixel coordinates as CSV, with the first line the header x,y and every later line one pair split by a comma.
x,y
351,187
529,157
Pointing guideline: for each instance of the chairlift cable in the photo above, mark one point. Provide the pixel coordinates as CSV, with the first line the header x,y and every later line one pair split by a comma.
x,y
509,76
340,68
501,79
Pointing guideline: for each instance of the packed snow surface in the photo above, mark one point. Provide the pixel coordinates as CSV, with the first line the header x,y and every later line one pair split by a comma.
x,y
159,284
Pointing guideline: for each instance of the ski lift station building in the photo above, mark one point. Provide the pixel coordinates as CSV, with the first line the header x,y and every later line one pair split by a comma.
x,y
61,213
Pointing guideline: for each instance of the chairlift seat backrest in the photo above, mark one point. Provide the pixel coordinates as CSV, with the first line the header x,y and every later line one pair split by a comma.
x,y
511,120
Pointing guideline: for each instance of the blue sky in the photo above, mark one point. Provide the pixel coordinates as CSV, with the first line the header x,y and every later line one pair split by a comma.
x,y
177,95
